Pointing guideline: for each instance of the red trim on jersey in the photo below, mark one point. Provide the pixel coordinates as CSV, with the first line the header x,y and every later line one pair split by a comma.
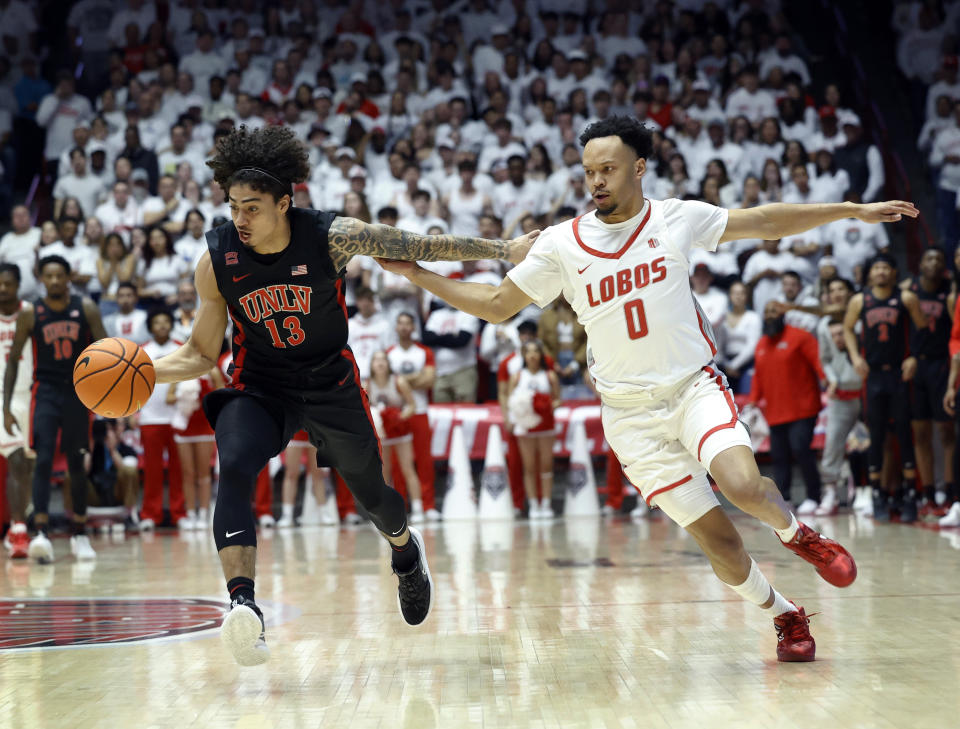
x,y
733,410
673,485
240,339
342,300
713,348
626,246
363,396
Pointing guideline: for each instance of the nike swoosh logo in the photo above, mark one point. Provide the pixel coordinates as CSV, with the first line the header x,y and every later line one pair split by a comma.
x,y
240,278
579,270
233,534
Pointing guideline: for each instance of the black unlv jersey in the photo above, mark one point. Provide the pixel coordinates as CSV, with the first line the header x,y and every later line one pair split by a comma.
x,y
289,315
884,334
933,341
58,338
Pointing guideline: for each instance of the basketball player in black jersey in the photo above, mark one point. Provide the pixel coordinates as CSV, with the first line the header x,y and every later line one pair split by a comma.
x,y
931,346
278,273
883,360
61,326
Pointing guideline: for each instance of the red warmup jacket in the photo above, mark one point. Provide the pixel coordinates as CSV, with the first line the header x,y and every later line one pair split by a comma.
x,y
787,375
955,331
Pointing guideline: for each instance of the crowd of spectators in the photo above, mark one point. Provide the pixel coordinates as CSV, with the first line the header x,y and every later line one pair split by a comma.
x,y
437,116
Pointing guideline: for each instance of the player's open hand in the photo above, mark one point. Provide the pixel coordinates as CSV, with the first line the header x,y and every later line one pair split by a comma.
x,y
886,212
10,422
519,247
403,268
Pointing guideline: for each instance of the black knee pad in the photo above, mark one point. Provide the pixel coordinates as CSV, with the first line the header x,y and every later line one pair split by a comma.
x,y
385,506
233,520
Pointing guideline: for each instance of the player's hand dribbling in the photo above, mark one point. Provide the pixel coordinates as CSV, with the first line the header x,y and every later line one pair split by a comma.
x,y
886,212
519,247
9,422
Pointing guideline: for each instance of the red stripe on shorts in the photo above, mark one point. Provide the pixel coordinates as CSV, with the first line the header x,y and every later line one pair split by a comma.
x,y
733,410
673,485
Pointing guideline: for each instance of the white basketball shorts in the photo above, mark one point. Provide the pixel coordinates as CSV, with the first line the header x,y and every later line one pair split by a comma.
x,y
20,407
667,441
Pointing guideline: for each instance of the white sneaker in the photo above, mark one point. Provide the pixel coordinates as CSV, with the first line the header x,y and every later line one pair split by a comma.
x,y
608,510
353,518
828,505
186,523
285,522
940,498
863,500
267,522
40,549
952,518
417,516
147,525
328,518
433,515
203,519
242,633
80,546
641,510
807,508
533,510
546,509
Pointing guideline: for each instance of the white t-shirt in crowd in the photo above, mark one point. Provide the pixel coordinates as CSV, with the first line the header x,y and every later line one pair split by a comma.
x,y
132,326
451,321
628,283
769,288
366,336
82,259
853,243
411,361
163,274
156,411
21,249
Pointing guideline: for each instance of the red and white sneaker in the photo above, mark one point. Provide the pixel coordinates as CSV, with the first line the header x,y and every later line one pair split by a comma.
x,y
794,642
17,541
833,562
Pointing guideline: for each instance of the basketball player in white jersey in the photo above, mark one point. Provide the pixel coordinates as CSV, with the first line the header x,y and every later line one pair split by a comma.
x,y
15,448
667,411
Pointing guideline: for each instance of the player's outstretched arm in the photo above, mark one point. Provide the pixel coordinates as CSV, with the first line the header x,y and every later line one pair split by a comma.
x,y
492,303
349,237
779,220
199,355
21,334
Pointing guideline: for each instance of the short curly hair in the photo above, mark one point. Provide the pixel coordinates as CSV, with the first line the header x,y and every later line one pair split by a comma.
x,y
270,159
631,131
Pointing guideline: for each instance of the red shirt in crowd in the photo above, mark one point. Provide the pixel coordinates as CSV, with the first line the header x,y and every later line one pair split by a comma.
x,y
955,331
787,375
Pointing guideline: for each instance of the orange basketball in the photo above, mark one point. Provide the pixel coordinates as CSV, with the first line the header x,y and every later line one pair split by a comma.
x,y
113,377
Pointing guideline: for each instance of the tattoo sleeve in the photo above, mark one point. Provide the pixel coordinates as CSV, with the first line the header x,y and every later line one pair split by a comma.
x,y
349,237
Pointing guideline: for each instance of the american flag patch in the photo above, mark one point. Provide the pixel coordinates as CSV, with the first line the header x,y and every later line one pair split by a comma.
x,y
300,270
232,258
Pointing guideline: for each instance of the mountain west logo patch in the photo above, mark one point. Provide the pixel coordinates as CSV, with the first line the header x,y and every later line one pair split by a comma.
x,y
494,481
100,621
577,478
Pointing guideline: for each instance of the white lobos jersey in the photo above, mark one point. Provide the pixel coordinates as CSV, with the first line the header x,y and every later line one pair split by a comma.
x,y
629,285
8,325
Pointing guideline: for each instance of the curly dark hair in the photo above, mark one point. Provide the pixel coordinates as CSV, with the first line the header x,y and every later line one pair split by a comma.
x,y
269,160
631,132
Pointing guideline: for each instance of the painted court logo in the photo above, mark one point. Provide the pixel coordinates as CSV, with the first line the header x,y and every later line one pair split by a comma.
x,y
99,621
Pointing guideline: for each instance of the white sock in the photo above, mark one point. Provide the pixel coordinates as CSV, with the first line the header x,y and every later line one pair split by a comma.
x,y
544,503
756,589
287,511
191,514
780,606
787,534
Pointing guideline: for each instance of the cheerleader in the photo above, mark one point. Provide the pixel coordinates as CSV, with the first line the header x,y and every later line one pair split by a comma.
x,y
195,442
534,393
392,397
299,446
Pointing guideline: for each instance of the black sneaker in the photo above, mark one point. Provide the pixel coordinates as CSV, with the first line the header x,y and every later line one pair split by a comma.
x,y
881,506
243,635
415,593
908,510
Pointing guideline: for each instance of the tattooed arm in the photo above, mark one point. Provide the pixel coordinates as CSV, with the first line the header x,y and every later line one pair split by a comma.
x,y
349,237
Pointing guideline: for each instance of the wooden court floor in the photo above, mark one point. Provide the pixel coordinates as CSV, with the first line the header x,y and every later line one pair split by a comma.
x,y
577,623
